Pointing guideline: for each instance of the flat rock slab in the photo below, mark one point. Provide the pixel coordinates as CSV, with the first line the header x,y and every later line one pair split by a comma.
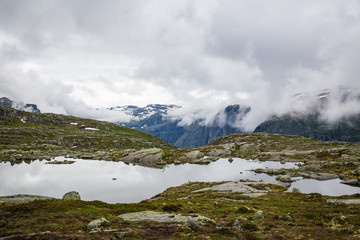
x,y
320,176
163,217
242,188
350,201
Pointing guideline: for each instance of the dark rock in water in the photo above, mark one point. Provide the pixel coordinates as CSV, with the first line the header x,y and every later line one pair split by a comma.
x,y
352,182
98,225
296,190
71,196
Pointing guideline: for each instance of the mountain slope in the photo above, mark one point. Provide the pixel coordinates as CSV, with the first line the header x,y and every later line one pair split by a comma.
x,y
28,136
347,129
196,134
19,106
315,119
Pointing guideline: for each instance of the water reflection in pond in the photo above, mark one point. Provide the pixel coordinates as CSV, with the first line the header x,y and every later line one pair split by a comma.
x,y
94,180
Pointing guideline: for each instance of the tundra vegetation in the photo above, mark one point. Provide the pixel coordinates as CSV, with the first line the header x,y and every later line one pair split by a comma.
x,y
194,210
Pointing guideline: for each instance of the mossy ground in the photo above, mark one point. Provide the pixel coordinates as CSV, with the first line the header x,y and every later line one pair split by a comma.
x,y
311,217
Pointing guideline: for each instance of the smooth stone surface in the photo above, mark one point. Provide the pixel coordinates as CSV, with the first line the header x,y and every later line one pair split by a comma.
x,y
163,217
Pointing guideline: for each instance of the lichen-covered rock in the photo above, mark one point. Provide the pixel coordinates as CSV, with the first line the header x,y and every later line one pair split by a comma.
x,y
163,217
73,195
150,156
352,182
98,225
296,190
332,202
258,215
192,224
284,178
249,147
270,171
287,218
242,224
194,155
323,176
203,161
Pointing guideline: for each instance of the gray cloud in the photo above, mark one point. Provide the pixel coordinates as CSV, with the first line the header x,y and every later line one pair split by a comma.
x,y
69,56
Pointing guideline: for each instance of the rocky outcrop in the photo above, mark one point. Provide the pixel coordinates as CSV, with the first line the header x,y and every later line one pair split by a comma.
x,y
149,157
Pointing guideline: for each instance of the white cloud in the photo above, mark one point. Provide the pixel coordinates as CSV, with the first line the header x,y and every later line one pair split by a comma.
x,y
71,56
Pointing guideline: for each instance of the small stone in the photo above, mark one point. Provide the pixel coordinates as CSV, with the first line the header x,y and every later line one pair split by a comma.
x,y
192,224
121,235
284,178
71,196
258,215
296,190
230,159
236,225
287,218
249,147
98,225
332,202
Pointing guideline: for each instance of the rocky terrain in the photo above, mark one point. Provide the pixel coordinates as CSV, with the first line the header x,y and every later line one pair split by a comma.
x,y
195,210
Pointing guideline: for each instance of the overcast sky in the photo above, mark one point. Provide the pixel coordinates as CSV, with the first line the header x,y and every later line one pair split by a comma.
x,y
68,56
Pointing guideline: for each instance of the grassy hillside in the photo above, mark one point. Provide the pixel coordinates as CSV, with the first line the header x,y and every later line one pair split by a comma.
x,y
28,136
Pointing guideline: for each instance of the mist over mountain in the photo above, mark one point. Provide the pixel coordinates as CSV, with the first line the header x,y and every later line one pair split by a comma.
x,y
326,115
19,105
161,121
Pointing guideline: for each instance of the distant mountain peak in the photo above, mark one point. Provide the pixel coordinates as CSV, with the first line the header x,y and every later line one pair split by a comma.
x,y
4,101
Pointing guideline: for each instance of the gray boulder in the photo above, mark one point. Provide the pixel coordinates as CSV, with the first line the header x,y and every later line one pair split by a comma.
x,y
258,215
98,225
194,155
249,147
71,196
284,178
